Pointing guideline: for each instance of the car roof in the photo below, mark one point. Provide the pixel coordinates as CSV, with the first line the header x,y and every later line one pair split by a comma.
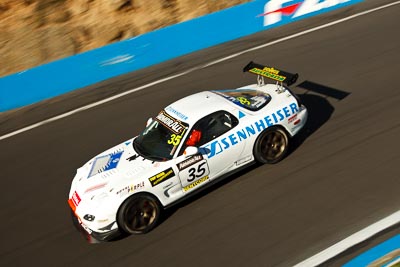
x,y
193,107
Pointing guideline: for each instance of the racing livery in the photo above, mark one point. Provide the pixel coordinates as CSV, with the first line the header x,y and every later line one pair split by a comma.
x,y
190,144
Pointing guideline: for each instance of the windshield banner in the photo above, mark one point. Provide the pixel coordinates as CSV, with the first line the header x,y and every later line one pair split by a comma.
x,y
170,122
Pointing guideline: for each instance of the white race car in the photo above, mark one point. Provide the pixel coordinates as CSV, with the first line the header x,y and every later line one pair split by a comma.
x,y
190,144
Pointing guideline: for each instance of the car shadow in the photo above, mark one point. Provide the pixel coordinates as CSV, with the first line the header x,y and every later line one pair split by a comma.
x,y
208,189
319,112
319,109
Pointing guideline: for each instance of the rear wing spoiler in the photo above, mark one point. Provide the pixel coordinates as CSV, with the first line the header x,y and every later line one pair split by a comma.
x,y
271,73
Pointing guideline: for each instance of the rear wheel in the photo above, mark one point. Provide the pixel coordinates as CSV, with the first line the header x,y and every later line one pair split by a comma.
x,y
271,146
139,214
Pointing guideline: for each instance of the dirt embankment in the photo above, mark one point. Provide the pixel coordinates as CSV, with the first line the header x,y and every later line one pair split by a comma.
x,y
34,32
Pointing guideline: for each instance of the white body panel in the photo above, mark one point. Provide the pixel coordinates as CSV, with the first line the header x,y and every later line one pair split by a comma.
x,y
102,184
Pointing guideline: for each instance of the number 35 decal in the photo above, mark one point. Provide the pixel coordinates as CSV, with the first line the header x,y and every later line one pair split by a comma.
x,y
175,140
197,172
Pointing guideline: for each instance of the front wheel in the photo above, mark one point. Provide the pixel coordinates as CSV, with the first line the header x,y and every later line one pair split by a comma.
x,y
271,146
139,214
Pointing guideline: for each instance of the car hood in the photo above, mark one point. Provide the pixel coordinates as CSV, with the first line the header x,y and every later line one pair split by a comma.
x,y
111,171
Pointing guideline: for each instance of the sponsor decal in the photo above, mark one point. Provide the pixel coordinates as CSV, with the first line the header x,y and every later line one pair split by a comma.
x,y
130,188
189,162
276,11
161,177
76,199
243,100
138,186
218,146
195,183
293,118
93,188
177,113
105,163
170,122
269,73
246,98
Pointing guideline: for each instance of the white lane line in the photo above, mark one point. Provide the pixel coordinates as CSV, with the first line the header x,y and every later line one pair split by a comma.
x,y
93,105
194,69
302,33
351,241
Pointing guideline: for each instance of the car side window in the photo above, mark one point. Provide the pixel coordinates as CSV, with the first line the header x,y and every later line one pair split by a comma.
x,y
209,128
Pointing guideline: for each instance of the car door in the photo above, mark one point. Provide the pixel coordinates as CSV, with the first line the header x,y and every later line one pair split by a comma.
x,y
209,135
193,172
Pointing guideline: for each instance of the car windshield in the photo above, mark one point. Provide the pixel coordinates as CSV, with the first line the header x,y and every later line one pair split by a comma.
x,y
161,138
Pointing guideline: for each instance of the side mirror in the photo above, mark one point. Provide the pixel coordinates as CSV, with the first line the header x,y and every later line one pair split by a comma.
x,y
150,120
190,151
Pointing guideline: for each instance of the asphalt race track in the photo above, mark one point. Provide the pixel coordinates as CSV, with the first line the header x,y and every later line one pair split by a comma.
x,y
341,175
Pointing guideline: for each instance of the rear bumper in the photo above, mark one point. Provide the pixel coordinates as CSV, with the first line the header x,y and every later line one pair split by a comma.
x,y
300,119
95,237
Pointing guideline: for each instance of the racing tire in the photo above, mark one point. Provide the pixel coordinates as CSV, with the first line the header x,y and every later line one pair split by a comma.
x,y
271,146
139,214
